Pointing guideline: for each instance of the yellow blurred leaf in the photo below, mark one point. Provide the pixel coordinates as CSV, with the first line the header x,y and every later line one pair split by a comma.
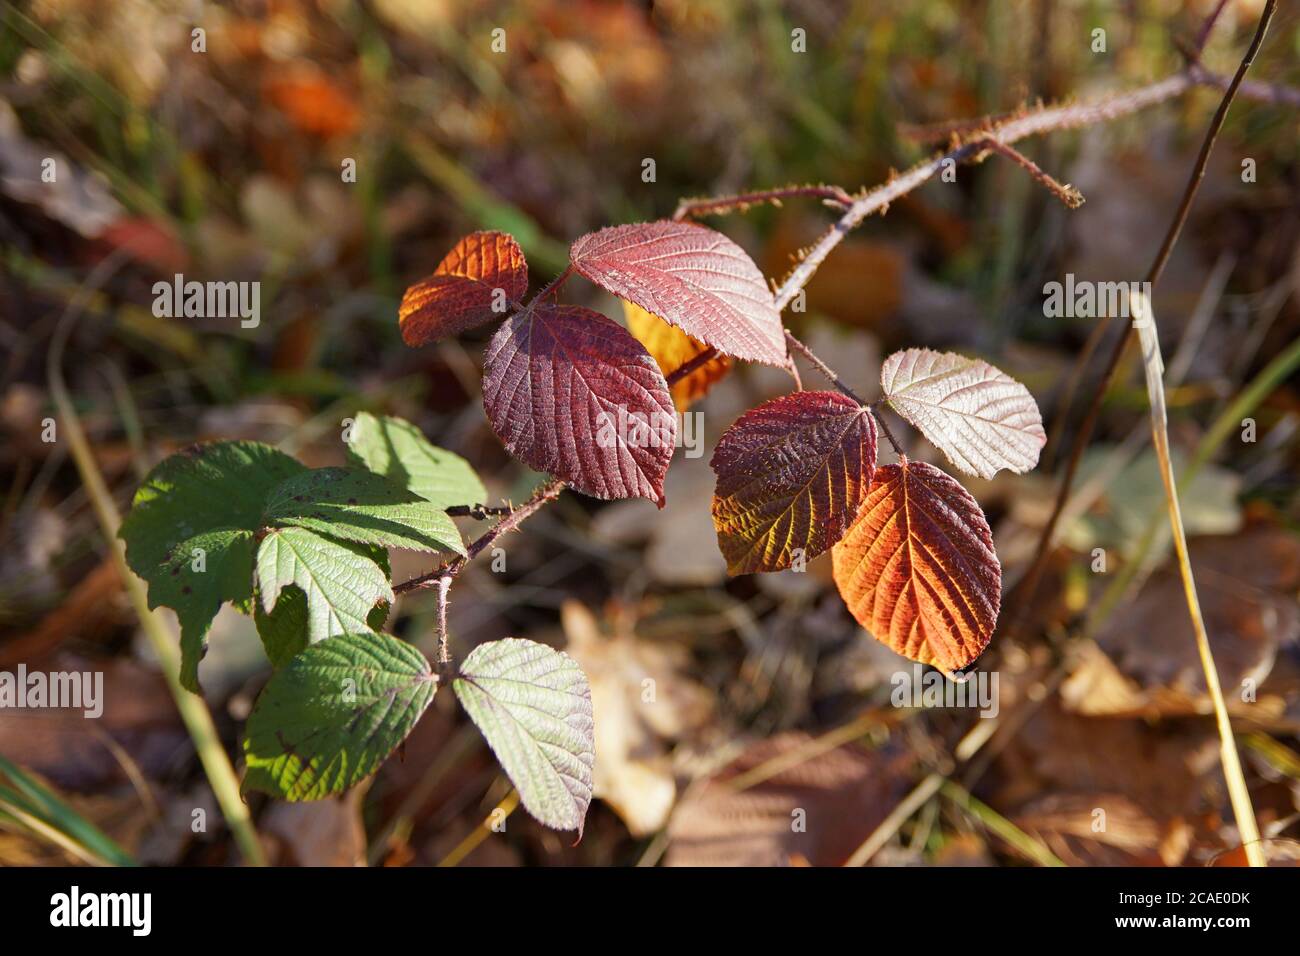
x,y
672,348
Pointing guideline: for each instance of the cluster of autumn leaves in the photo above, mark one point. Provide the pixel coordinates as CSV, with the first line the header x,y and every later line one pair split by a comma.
x,y
912,552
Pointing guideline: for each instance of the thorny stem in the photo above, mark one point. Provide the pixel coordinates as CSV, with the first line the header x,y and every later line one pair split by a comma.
x,y
840,384
552,286
832,195
451,569
884,427
689,366
987,135
1068,195
444,640
822,367
1194,75
480,512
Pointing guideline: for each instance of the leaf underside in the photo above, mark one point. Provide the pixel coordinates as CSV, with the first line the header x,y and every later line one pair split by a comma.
x,y
792,474
980,417
917,568
693,277
533,705
571,393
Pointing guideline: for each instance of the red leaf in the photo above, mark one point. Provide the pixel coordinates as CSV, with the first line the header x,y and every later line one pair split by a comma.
x,y
571,393
462,291
147,241
918,569
693,277
792,474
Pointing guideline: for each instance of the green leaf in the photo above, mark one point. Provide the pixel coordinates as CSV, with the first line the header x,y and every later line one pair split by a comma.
x,y
533,705
333,714
342,582
396,449
204,571
284,630
208,497
362,506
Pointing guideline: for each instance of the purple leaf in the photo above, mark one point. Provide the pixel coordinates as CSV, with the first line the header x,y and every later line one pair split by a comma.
x,y
572,393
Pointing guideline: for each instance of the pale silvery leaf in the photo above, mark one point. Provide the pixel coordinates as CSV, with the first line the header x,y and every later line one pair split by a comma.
x,y
980,417
533,705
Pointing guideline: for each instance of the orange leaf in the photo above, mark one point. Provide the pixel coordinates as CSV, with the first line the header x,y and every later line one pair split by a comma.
x,y
672,348
313,102
918,568
473,284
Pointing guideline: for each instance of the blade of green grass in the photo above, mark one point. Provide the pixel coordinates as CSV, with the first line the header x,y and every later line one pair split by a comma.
x,y
38,809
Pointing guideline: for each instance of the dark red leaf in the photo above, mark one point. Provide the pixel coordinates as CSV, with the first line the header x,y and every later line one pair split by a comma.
x,y
792,474
571,393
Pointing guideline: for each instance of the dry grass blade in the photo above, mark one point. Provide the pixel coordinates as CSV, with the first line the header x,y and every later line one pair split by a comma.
x,y
1238,793
194,712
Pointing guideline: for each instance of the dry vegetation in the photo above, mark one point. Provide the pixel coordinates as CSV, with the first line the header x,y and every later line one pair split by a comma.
x,y
739,720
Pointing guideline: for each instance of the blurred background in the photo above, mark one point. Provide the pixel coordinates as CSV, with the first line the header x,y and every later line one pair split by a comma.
x,y
723,706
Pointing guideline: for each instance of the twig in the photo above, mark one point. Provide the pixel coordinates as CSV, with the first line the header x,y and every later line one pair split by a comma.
x,y
444,639
822,367
1203,35
690,365
479,512
1068,195
934,133
1194,75
1029,583
893,442
831,195
1274,93
552,286
1021,126
451,569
